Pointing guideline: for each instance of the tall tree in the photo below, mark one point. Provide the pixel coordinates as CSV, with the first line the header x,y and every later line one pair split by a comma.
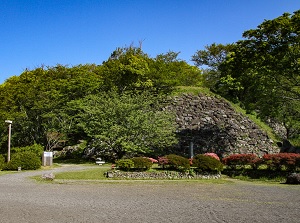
x,y
126,124
209,60
266,68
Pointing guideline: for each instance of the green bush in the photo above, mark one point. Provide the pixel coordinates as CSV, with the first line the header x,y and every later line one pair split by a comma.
x,y
35,148
207,163
26,160
2,162
142,163
177,162
125,164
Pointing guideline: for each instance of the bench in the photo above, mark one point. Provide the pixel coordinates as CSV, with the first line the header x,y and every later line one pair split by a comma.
x,y
99,161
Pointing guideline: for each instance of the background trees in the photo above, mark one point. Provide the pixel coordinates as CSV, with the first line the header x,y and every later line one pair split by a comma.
x,y
117,103
113,103
261,72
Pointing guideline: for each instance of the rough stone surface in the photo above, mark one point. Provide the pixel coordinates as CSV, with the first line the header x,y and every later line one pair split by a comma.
x,y
48,176
160,175
212,125
293,178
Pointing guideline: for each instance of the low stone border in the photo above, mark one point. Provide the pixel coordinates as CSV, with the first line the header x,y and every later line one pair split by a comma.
x,y
160,175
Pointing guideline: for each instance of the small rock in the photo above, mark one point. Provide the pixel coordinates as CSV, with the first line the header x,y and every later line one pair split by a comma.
x,y
293,178
48,176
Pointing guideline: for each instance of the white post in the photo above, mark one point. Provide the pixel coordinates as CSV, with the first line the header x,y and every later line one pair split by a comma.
x,y
9,136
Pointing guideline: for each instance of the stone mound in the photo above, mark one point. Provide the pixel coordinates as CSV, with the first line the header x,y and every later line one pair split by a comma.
x,y
210,124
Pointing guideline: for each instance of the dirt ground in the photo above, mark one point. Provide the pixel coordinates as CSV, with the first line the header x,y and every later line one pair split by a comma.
x,y
24,200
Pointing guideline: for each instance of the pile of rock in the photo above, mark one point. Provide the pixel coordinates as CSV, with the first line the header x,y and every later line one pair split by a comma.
x,y
293,178
171,175
210,124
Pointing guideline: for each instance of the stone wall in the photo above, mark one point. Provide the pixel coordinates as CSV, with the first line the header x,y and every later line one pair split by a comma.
x,y
210,124
170,175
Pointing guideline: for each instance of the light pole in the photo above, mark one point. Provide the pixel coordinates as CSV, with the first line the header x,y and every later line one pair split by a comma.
x,y
9,136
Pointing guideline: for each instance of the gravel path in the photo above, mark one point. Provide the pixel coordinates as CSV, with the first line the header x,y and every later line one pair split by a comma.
x,y
24,200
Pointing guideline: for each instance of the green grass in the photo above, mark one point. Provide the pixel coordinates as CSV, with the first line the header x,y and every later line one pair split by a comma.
x,y
192,90
90,174
256,120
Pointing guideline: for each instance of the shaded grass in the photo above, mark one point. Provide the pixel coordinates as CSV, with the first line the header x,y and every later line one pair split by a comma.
x,y
260,175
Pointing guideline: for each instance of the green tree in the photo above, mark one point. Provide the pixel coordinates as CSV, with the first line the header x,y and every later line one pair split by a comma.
x,y
262,70
36,101
126,69
168,71
128,124
209,60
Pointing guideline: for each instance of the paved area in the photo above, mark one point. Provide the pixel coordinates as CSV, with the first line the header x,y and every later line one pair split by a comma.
x,y
24,200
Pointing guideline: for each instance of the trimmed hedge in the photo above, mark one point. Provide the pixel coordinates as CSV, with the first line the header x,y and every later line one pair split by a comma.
x,y
142,163
175,162
35,148
125,164
26,160
289,161
241,160
207,163
2,162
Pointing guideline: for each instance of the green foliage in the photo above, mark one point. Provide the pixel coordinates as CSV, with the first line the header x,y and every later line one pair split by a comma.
x,y
262,71
27,160
211,58
207,163
177,162
35,148
128,124
36,101
141,163
125,164
2,162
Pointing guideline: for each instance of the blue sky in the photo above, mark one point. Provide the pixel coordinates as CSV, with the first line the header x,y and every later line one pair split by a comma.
x,y
72,32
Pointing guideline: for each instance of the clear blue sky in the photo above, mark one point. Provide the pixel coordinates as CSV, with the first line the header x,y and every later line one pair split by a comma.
x,y
72,32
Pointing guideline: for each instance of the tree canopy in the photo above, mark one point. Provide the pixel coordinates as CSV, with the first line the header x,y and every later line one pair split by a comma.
x,y
45,103
262,70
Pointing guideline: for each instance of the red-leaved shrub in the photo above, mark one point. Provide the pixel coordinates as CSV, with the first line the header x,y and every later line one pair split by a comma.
x,y
277,161
241,160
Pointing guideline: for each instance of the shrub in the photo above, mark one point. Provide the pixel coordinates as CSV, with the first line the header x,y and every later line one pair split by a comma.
x,y
125,164
213,155
142,163
235,160
35,148
26,160
277,161
207,163
2,162
163,161
177,162
152,160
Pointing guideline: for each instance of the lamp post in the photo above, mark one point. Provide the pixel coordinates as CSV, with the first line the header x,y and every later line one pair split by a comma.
x,y
9,136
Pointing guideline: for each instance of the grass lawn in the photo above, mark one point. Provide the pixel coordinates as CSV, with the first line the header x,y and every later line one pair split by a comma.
x,y
89,174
